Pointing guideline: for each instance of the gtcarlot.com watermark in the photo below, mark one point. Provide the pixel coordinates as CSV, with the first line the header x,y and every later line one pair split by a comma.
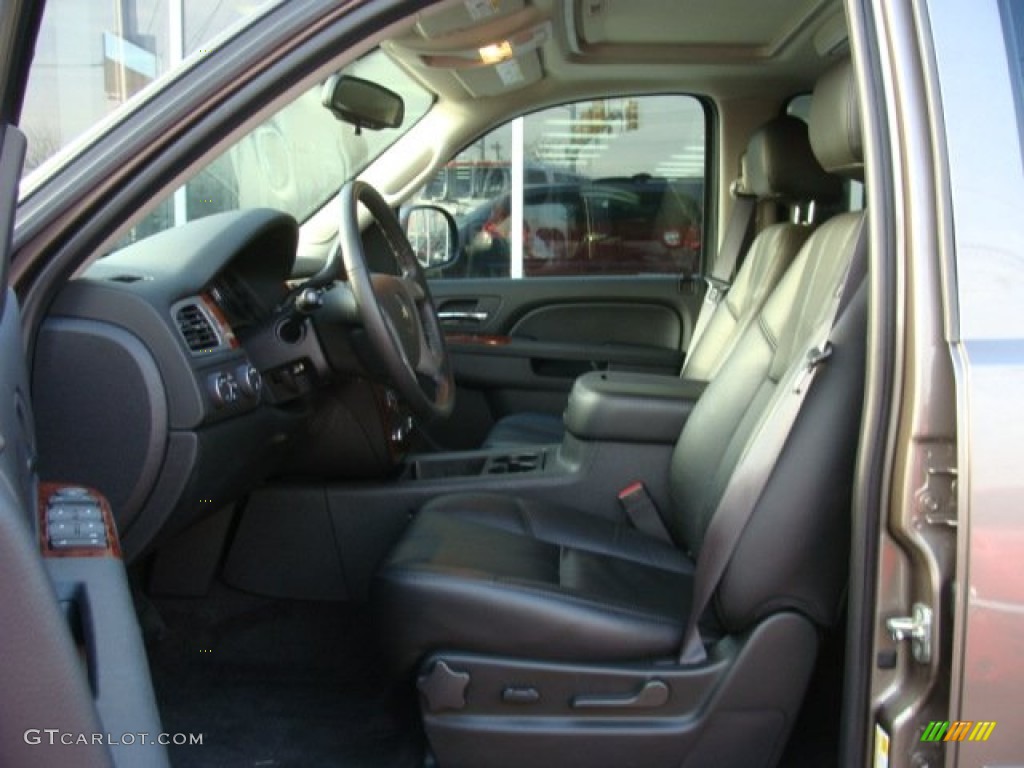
x,y
54,736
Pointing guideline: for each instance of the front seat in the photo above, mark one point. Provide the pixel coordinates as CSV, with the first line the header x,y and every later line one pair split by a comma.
x,y
547,635
779,167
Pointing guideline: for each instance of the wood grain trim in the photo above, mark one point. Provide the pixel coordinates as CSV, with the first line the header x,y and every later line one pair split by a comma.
x,y
218,317
391,415
477,339
46,492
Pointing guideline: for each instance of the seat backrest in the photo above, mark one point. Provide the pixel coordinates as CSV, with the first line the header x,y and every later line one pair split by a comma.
x,y
792,553
779,166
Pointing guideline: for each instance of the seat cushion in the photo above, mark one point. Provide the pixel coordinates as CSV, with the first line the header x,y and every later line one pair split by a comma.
x,y
526,429
507,576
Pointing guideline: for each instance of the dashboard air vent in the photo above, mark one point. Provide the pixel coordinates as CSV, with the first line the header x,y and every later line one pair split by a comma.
x,y
196,328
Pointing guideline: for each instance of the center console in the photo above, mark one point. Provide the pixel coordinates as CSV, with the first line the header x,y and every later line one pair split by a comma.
x,y
318,542
605,407
620,406
521,461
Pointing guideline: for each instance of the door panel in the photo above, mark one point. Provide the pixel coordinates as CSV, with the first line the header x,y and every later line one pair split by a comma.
x,y
653,325
518,345
41,679
71,656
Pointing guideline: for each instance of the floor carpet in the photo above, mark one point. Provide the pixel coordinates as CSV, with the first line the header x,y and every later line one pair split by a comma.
x,y
276,683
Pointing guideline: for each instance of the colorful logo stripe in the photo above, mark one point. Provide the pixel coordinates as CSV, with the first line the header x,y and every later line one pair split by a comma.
x,y
959,730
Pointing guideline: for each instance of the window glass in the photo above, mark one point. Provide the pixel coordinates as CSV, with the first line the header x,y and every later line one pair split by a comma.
x,y
1013,25
94,56
295,162
609,187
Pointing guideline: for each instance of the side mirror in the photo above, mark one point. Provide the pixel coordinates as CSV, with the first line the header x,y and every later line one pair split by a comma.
x,y
362,103
433,234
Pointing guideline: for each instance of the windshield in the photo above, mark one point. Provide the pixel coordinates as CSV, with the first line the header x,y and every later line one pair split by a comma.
x,y
95,60
295,161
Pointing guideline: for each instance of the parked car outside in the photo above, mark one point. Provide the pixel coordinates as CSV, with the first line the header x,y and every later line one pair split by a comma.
x,y
630,226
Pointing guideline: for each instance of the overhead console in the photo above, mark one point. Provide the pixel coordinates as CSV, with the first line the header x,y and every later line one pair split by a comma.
x,y
488,48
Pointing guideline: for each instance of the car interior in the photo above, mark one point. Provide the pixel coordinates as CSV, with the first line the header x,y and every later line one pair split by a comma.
x,y
304,494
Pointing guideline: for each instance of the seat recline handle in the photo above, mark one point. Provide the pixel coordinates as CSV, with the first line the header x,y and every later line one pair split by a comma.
x,y
653,694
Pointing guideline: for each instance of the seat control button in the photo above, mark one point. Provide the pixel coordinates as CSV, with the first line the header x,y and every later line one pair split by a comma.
x,y
520,695
443,688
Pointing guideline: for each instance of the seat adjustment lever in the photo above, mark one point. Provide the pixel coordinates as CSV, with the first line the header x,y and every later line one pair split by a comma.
x,y
653,694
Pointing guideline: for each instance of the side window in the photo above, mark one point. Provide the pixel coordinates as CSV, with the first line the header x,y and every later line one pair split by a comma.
x,y
609,187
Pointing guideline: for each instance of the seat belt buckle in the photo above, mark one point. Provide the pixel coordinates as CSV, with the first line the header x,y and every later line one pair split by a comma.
x,y
642,511
631,493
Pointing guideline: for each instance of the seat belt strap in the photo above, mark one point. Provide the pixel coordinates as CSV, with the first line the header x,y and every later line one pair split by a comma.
x,y
757,462
643,512
743,207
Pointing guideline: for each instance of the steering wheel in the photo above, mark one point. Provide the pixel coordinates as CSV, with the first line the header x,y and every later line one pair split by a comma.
x,y
397,311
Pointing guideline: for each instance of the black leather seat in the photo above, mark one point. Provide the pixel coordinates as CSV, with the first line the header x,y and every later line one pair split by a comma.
x,y
511,580
779,166
499,574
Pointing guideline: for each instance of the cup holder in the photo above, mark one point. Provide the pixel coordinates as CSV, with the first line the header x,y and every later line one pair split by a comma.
x,y
514,463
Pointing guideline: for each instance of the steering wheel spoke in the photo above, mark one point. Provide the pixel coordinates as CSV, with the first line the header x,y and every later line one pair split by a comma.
x,y
415,289
397,311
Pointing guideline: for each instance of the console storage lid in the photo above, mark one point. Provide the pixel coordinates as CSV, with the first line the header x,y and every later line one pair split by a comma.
x,y
630,407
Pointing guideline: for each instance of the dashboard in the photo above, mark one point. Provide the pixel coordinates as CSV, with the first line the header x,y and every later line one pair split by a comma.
x,y
186,374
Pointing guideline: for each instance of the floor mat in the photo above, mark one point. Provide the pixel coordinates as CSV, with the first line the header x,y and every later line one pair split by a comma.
x,y
276,683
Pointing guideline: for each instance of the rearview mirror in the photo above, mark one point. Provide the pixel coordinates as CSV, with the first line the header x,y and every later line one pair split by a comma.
x,y
362,103
434,236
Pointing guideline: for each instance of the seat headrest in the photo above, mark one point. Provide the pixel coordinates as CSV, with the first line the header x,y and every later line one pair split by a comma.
x,y
835,122
779,165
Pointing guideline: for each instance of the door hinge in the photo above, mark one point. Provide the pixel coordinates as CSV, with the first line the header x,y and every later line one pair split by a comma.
x,y
936,498
917,628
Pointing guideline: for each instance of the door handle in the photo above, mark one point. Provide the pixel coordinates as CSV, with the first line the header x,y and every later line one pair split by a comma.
x,y
452,316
